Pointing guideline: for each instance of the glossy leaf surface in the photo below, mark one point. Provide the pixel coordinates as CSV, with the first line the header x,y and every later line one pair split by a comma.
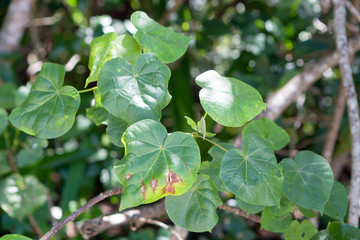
x,y
49,110
135,92
253,174
14,237
308,180
156,163
212,168
303,231
153,37
107,47
269,130
198,206
228,101
337,205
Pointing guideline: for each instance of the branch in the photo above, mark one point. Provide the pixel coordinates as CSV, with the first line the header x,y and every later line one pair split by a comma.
x,y
165,17
72,216
333,131
160,224
238,211
353,109
14,24
353,10
280,100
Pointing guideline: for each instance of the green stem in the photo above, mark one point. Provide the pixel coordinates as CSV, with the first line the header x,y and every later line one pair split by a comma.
x,y
214,143
88,90
205,115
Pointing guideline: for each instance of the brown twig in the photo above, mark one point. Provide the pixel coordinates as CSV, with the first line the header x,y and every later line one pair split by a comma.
x,y
353,109
238,211
160,224
333,131
165,17
35,226
72,216
352,9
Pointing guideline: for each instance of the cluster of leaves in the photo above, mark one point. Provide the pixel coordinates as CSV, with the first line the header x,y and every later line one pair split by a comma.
x,y
132,90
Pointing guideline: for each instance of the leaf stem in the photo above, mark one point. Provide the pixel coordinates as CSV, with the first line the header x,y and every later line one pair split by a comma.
x,y
205,115
212,142
88,90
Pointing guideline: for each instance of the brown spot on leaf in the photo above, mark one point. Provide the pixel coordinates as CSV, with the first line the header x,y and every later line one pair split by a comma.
x,y
127,177
143,190
170,179
153,184
187,169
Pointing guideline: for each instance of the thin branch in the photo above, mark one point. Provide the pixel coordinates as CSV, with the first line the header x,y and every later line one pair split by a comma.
x,y
353,109
352,10
280,100
238,211
333,131
160,224
35,226
88,205
165,17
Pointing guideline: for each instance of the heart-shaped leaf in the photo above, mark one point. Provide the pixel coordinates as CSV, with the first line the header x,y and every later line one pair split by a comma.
x,y
274,223
228,101
115,129
303,231
107,47
269,130
49,110
253,174
308,180
336,206
198,206
21,196
135,92
153,37
3,120
212,168
156,164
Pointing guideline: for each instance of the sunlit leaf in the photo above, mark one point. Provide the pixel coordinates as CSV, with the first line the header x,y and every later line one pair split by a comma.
x,y
228,101
303,231
21,196
135,92
153,37
14,237
308,180
199,204
156,163
269,130
49,110
337,205
253,174
107,47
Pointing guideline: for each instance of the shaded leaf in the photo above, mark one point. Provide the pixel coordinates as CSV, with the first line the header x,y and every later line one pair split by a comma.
x,y
285,207
338,231
275,223
110,46
337,205
307,212
212,168
269,130
7,95
304,230
135,92
247,207
253,174
199,204
156,164
153,37
21,196
97,113
49,110
4,165
115,129
228,101
308,180
3,120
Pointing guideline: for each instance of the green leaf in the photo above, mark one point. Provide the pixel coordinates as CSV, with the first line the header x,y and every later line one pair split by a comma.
x,y
275,223
32,153
307,212
198,206
153,37
308,180
115,129
4,165
49,110
336,206
14,237
156,163
110,46
21,196
97,113
304,230
228,101
253,174
191,123
135,92
212,168
3,120
247,207
7,95
285,207
269,130
338,231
